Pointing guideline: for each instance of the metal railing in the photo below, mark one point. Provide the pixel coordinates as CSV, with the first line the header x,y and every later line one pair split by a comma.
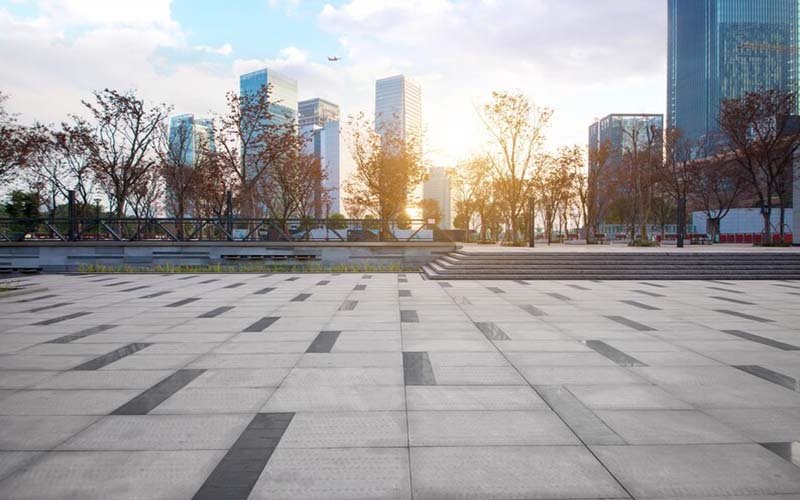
x,y
233,229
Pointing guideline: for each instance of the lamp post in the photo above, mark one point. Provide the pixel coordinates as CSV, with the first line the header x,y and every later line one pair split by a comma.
x,y
531,222
97,207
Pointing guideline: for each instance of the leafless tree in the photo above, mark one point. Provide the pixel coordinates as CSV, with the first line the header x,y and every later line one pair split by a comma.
x,y
517,129
764,139
388,166
124,139
599,192
718,185
17,143
642,159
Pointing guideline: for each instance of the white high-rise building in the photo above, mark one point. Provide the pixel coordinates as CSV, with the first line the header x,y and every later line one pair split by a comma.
x,y
319,123
398,104
437,187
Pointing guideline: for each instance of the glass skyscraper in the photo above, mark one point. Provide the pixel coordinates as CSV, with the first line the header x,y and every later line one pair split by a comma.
x,y
398,105
186,134
283,93
721,49
319,124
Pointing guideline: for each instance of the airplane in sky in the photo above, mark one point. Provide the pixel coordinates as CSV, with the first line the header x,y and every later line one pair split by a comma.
x,y
334,58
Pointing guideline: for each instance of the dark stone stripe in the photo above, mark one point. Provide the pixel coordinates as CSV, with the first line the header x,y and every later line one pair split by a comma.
x,y
324,342
183,302
409,316
417,369
578,287
532,310
33,299
234,285
154,295
237,472
265,275
262,324
62,318
154,396
762,340
116,354
770,376
650,294
743,315
724,289
293,278
216,312
119,283
264,291
613,354
521,282
494,289
401,275
445,284
52,306
301,297
402,280
631,324
492,331
735,301
360,287
66,339
721,282
323,282
404,293
583,422
102,279
208,281
788,451
787,286
367,277
187,277
641,305
348,305
140,287
559,296
653,284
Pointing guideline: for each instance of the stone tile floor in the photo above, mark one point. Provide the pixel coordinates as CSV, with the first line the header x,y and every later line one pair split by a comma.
x,y
388,386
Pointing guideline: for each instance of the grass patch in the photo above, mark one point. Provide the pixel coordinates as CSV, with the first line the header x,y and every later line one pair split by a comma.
x,y
249,268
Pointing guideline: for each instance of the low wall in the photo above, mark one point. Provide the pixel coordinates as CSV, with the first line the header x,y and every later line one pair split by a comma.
x,y
57,256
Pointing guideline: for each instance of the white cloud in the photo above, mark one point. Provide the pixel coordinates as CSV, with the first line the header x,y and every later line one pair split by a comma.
x,y
225,49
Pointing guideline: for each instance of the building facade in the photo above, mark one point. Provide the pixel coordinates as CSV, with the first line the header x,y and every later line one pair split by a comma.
x,y
188,133
398,106
621,131
721,49
283,93
437,187
319,124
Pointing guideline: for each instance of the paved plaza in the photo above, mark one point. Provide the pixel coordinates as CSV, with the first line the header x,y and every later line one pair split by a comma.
x,y
351,386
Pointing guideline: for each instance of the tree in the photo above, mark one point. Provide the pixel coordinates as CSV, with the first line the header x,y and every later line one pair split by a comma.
x,y
677,178
517,130
599,190
124,139
642,160
388,166
16,144
763,138
249,141
22,205
718,184
553,186
430,209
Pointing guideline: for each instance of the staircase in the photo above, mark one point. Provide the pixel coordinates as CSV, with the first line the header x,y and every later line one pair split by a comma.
x,y
514,265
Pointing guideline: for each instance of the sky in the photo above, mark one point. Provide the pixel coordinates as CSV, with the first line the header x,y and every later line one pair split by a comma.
x,y
582,58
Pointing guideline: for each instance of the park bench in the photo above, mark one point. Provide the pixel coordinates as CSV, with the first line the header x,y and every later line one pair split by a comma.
x,y
699,239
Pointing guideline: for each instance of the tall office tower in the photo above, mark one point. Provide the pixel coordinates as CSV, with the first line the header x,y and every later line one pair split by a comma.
x,y
398,105
283,93
721,49
437,187
187,133
317,112
319,124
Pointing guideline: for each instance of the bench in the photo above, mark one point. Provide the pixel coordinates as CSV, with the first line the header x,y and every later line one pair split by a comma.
x,y
699,239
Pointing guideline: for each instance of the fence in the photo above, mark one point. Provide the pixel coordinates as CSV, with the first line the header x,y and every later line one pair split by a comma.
x,y
213,229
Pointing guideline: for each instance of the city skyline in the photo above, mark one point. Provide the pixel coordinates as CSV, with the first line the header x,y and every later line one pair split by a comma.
x,y
72,49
